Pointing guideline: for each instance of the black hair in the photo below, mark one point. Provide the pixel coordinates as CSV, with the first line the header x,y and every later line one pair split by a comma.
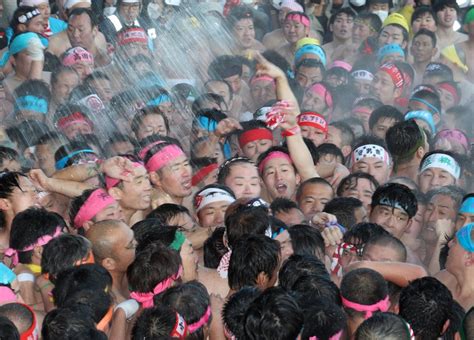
x,y
96,75
467,326
384,111
59,70
369,102
435,69
273,315
277,59
214,248
439,5
311,287
396,193
88,12
97,301
386,326
156,233
425,304
229,87
314,180
166,212
388,241
307,240
21,11
30,225
403,140
7,154
9,180
350,181
373,19
117,137
49,137
68,109
347,136
35,87
428,33
311,63
344,209
323,320
363,286
226,167
26,133
151,266
62,253
138,118
155,323
297,266
224,66
199,102
77,278
233,312
68,149
8,329
431,97
456,317
252,255
344,10
191,301
77,202
282,204
360,233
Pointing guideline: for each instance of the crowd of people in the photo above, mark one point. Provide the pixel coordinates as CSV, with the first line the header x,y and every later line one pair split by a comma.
x,y
236,169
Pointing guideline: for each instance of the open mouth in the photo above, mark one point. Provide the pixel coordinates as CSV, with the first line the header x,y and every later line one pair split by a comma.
x,y
281,188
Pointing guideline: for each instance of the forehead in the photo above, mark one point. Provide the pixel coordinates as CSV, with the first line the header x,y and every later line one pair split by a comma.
x,y
383,76
442,199
422,37
318,188
243,168
81,19
395,211
280,161
392,29
342,16
244,22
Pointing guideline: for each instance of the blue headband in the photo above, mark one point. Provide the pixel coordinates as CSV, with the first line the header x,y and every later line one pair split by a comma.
x,y
312,49
390,49
423,115
464,237
6,275
467,207
420,100
62,162
161,99
31,103
207,124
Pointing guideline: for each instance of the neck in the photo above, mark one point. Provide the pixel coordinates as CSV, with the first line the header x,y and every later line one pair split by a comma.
x,y
339,41
119,285
465,284
128,213
409,170
444,31
420,66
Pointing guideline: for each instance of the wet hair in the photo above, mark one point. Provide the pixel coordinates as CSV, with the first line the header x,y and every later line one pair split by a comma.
x,y
141,114
273,315
428,33
30,225
352,180
72,322
344,209
97,301
311,287
143,228
388,241
431,97
163,234
35,87
387,112
62,253
190,300
363,286
77,202
396,193
199,102
229,87
282,204
19,314
96,75
297,266
435,69
314,180
252,255
403,140
383,326
311,63
233,312
26,133
166,212
239,13
117,137
9,180
323,320
224,66
214,248
49,137
360,233
79,11
8,329
345,10
155,323
68,109
7,154
347,136
369,102
306,240
60,70
425,304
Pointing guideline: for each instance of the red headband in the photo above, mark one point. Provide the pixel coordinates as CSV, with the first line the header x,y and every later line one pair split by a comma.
x,y
203,173
76,117
298,18
253,135
132,35
30,333
313,119
394,73
451,89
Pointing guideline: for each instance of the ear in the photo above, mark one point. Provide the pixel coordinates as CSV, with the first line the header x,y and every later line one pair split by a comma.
x,y
116,193
155,179
95,31
397,93
434,52
38,252
469,260
330,28
420,152
298,179
5,204
346,150
410,222
404,44
446,326
108,264
262,280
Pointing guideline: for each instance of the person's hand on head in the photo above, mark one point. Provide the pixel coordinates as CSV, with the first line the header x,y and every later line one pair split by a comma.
x,y
118,167
39,179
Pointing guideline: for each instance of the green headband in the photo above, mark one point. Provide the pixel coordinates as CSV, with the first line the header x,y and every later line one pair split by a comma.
x,y
178,241
469,16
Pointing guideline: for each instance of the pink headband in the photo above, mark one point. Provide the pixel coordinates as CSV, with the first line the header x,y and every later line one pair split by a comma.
x,y
382,306
97,201
201,322
43,240
454,134
322,91
298,18
264,78
336,336
146,299
77,55
142,152
341,64
163,157
111,182
451,89
7,295
273,155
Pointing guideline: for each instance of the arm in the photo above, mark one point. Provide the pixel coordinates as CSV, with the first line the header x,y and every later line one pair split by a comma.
x,y
443,228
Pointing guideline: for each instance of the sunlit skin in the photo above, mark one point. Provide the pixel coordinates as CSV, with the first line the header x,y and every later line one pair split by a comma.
x,y
393,220
375,167
111,212
433,178
363,190
212,215
280,178
244,33
425,21
391,35
314,197
136,194
244,181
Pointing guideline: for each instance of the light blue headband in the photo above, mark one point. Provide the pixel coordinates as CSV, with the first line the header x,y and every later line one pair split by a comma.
x,y
31,103
62,162
420,100
423,115
467,207
161,99
464,237
21,42
207,124
312,49
390,49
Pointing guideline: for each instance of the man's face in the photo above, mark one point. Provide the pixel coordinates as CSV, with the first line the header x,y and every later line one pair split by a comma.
x,y
317,136
375,252
152,124
342,27
212,215
234,82
433,178
391,35
123,247
425,21
362,189
44,154
280,178
446,98
314,198
66,82
254,149
129,12
456,257
220,88
36,25
175,178
83,69
382,125
189,260
393,220
294,31
244,32
362,86
103,88
76,129
374,7
262,92
440,207
244,181
361,31
375,167
464,218
384,89
447,16
314,102
286,248
132,50
422,49
80,31
136,195
334,136
306,76
111,212
25,198
44,9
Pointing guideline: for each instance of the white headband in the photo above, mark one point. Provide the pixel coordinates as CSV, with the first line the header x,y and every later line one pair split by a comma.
x,y
442,161
211,195
370,150
362,75
71,3
33,3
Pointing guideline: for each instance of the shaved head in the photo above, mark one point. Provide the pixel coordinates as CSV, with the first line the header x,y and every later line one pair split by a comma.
x,y
103,236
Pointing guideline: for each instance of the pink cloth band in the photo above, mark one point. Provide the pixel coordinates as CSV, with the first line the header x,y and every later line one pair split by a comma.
x,y
456,135
298,18
341,64
273,155
77,55
322,91
142,152
111,182
201,322
262,78
163,157
336,336
382,305
97,201
146,299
